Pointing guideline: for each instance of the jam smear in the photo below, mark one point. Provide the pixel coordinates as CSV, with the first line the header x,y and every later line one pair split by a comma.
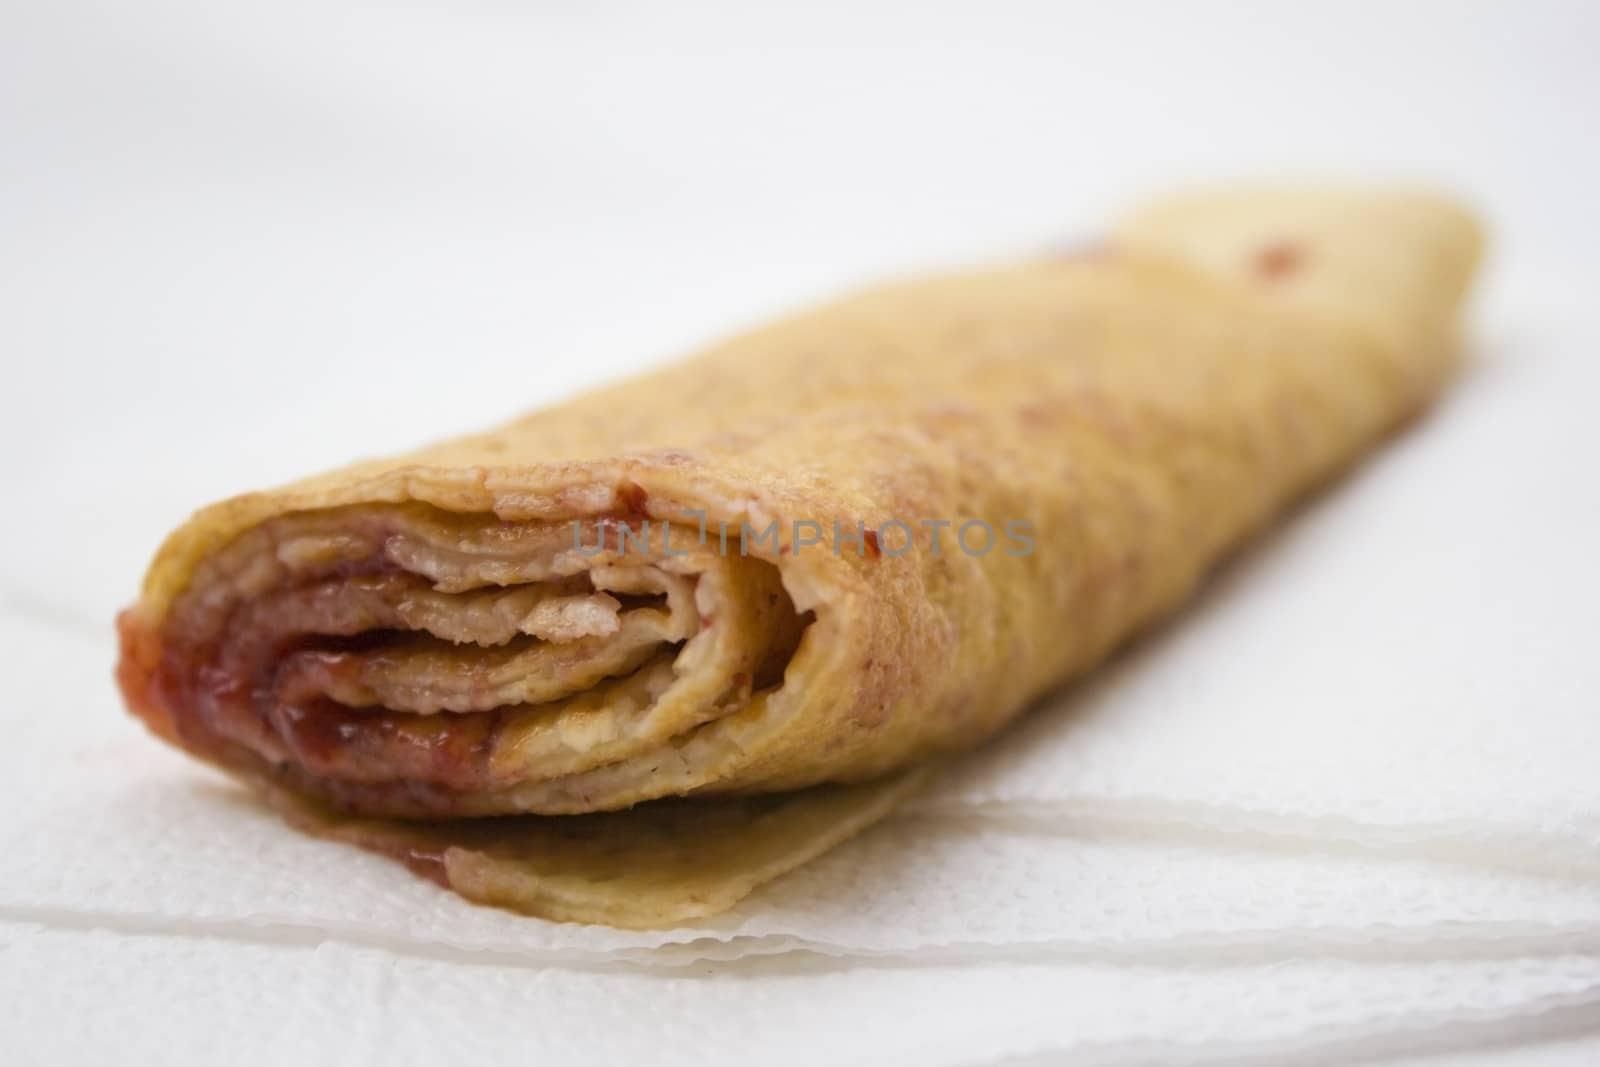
x,y
1278,260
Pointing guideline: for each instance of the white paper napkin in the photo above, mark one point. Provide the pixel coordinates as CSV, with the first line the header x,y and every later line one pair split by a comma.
x,y
1348,803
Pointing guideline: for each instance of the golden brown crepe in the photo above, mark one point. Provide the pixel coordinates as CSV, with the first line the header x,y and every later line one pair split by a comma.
x,y
777,580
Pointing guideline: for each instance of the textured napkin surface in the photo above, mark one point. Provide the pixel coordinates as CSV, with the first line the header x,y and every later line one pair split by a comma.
x,y
338,1003
1347,803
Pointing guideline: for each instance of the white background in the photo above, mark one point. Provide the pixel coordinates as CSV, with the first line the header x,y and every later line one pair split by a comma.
x,y
240,242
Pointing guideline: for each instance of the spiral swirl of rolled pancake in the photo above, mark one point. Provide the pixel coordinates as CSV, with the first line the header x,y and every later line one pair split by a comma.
x,y
407,661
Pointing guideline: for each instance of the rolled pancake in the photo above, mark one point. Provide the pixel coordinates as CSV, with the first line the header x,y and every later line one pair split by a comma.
x,y
626,658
